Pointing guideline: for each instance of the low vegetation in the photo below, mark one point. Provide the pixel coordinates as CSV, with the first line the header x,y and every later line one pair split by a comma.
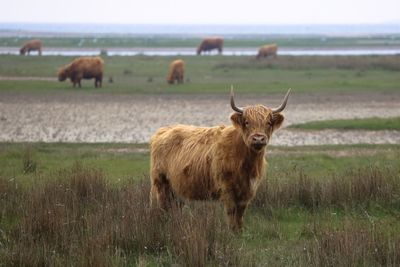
x,y
361,63
321,206
375,124
206,74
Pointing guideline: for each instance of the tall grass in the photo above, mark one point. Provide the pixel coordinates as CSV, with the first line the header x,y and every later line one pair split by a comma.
x,y
75,218
354,188
354,245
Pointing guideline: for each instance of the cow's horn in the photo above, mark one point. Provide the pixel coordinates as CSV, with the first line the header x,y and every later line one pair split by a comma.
x,y
234,107
283,105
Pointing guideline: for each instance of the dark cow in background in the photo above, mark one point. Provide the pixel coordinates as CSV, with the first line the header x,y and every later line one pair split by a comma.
x,y
209,44
176,71
267,50
224,163
32,45
83,68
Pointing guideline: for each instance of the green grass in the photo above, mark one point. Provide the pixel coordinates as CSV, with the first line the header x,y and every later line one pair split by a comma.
x,y
304,205
375,124
147,75
131,161
120,162
237,41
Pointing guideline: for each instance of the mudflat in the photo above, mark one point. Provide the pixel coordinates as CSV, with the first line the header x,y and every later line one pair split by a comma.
x,y
133,118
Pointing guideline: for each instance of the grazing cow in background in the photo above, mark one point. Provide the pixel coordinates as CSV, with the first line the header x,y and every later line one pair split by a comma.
x,y
32,45
267,50
209,44
83,68
176,71
224,163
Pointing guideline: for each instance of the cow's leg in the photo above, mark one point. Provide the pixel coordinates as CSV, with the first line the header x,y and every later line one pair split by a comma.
x,y
234,211
239,212
160,194
100,80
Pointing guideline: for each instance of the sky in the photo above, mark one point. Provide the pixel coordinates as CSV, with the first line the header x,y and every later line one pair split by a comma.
x,y
201,12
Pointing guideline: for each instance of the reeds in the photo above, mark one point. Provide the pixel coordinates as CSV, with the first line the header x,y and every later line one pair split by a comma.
x,y
354,188
75,218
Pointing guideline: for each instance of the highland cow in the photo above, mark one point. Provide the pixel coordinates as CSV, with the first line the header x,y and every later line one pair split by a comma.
x,y
209,44
267,50
176,71
32,45
224,163
83,68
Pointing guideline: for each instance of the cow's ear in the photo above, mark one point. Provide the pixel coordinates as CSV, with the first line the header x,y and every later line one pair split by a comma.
x,y
277,120
237,119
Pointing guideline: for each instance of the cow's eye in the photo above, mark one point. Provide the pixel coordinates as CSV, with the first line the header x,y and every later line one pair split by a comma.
x,y
246,123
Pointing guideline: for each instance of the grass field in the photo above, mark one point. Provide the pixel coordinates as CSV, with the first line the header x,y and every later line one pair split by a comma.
x,y
236,41
375,124
143,74
87,204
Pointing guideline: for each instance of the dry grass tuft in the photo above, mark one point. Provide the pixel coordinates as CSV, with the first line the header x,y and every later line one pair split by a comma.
x,y
77,219
354,245
354,188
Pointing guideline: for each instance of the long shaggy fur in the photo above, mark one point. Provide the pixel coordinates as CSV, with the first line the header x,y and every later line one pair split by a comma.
x,y
83,68
268,50
212,163
32,45
210,44
176,71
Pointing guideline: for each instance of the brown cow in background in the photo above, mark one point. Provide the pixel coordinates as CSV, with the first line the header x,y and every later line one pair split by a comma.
x,y
267,50
32,45
224,163
83,68
176,71
209,44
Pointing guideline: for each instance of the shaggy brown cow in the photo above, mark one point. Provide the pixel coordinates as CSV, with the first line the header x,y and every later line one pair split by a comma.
x,y
83,68
210,44
267,50
176,71
33,45
224,163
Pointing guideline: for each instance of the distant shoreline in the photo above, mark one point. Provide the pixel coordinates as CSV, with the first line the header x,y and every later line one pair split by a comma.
x,y
190,51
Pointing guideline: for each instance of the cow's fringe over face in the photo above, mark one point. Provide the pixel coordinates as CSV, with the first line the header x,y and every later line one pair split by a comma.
x,y
256,124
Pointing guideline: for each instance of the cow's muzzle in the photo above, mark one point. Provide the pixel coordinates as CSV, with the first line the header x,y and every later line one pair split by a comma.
x,y
258,141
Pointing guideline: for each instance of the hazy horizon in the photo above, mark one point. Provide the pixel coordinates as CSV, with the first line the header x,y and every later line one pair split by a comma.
x,y
287,12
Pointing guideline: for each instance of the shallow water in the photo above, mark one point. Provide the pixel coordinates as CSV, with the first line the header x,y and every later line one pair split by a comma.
x,y
191,51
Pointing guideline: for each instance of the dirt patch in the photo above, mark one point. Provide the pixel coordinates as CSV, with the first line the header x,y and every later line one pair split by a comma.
x,y
91,117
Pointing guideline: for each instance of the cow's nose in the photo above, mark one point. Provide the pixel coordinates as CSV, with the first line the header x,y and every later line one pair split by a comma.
x,y
258,138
